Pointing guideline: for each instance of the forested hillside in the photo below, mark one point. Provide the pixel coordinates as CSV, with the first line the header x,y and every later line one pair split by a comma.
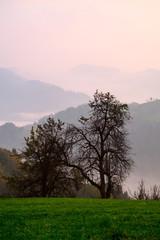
x,y
144,136
12,136
8,164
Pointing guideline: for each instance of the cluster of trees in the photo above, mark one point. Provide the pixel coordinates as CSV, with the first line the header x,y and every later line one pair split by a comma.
x,y
142,193
59,159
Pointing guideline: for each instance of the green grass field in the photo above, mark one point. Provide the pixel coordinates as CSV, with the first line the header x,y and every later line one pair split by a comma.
x,y
38,218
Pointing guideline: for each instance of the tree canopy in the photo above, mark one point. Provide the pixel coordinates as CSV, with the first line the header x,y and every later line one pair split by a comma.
x,y
100,148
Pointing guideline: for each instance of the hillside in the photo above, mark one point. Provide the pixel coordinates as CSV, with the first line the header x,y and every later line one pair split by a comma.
x,y
12,136
144,136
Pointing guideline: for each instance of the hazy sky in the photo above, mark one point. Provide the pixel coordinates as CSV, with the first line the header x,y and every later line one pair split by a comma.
x,y
48,36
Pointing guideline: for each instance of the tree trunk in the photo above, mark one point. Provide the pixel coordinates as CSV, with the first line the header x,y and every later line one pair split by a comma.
x,y
44,188
109,188
102,193
102,189
44,192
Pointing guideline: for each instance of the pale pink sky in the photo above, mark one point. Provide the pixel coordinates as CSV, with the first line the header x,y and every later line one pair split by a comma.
x,y
48,36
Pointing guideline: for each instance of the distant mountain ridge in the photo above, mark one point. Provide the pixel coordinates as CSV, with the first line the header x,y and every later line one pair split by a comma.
x,y
126,86
86,69
19,96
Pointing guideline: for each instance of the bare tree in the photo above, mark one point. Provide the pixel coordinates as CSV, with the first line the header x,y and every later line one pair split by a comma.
x,y
155,192
146,194
100,150
141,192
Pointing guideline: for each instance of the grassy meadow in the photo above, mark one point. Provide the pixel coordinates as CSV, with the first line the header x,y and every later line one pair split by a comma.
x,y
65,218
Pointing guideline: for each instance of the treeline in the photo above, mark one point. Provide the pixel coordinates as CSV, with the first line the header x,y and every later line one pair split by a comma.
x,y
143,193
11,163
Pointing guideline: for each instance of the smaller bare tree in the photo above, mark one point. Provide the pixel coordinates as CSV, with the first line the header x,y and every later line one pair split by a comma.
x,y
155,192
140,193
144,194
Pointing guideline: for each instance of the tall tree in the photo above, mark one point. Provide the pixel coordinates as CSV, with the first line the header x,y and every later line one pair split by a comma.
x,y
100,150
40,169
